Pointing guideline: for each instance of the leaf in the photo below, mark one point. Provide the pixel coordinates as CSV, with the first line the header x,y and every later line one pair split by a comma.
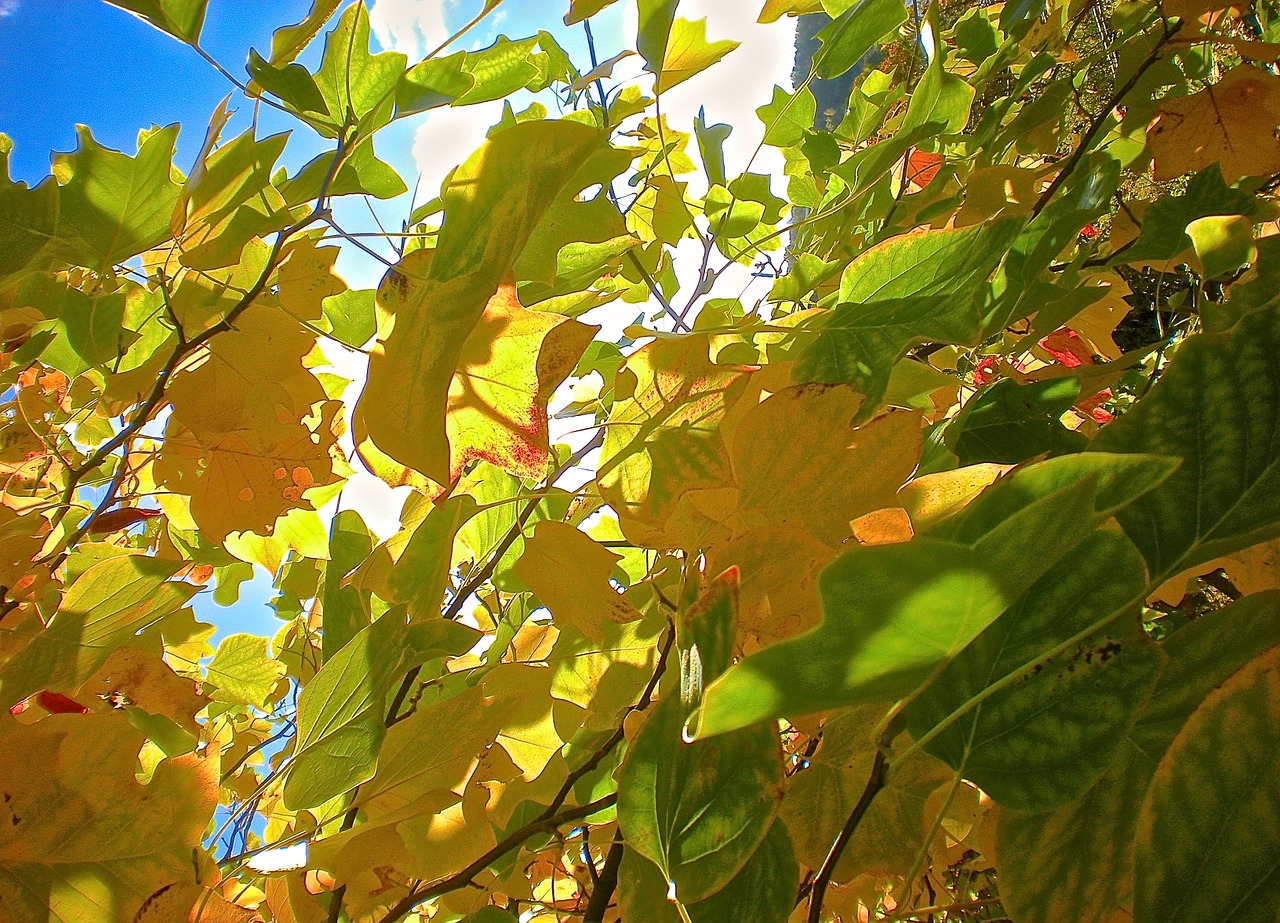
x,y
893,614
244,672
134,678
112,206
510,364
764,891
688,53
341,712
711,140
583,9
111,603
1223,244
1165,221
1221,390
901,292
699,811
492,203
71,845
421,574
654,31
821,796
1033,709
1076,862
289,41
251,429
440,81
570,574
28,218
358,87
787,116
1201,851
346,609
1231,123
183,19
854,32
1007,423
662,438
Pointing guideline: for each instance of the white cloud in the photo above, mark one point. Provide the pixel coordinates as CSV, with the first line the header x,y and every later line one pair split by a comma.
x,y
412,27
8,7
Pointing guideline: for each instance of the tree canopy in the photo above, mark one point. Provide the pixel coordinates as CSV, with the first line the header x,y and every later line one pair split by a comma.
x,y
937,582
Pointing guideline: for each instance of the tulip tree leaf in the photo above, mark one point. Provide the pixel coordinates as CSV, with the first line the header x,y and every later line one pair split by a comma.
x,y
1203,851
893,614
699,811
1216,408
1044,738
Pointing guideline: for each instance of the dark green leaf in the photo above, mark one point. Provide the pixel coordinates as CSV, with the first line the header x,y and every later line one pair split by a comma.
x,y
854,32
1217,407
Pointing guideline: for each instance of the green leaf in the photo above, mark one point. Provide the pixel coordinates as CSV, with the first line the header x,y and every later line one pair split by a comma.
x,y
1034,707
347,609
654,31
343,710
688,53
499,70
788,116
1165,221
90,327
1008,423
941,98
361,173
422,571
1207,847
492,204
583,9
711,140
358,87
894,614
351,317
904,291
1216,407
294,86
1201,657
182,19
341,715
854,33
699,811
243,671
764,891
28,217
289,41
112,206
434,82
1076,862
109,604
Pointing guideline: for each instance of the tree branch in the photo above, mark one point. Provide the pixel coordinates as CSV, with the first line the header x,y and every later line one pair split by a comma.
x,y
879,775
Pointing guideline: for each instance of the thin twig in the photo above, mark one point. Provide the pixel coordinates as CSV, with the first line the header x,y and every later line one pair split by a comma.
x,y
546,821
879,775
1103,117
606,883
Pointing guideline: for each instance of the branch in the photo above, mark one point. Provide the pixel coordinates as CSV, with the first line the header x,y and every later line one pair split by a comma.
x,y
547,820
879,775
1104,116
606,884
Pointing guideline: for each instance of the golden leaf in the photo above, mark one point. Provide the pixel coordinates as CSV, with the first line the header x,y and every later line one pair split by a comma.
x,y
1232,122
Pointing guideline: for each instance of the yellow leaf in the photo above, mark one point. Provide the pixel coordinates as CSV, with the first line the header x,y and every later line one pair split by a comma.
x,y
72,846
492,203
569,572
135,677
509,366
662,439
1232,122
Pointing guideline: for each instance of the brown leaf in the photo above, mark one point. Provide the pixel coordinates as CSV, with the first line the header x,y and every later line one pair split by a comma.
x,y
1232,122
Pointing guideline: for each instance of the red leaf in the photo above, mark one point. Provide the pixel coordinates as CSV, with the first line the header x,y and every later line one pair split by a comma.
x,y
121,518
922,167
1065,346
58,704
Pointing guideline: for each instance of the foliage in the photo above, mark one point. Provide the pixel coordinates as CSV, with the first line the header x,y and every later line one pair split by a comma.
x,y
936,584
